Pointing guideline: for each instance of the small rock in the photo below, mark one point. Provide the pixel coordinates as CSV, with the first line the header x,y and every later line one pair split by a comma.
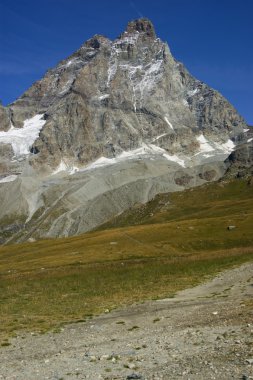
x,y
134,376
131,365
231,228
93,358
249,361
215,312
104,357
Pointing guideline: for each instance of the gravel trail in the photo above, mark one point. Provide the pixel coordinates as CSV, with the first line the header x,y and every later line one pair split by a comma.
x,y
203,333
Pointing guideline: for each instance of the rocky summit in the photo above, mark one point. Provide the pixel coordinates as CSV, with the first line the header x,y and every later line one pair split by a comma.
x,y
112,125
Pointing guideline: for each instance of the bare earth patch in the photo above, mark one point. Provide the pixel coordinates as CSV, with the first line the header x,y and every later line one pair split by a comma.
x,y
202,333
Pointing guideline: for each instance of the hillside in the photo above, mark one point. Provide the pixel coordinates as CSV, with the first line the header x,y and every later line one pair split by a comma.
x,y
175,241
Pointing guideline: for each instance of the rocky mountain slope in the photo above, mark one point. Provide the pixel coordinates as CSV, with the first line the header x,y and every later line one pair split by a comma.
x,y
113,124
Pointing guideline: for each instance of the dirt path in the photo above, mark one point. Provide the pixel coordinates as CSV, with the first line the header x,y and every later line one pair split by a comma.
x,y
203,333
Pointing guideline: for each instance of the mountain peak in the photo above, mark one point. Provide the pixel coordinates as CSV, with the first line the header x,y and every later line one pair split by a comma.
x,y
95,41
119,121
141,25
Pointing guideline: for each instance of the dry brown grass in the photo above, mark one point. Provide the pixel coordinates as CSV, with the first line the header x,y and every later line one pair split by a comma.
x,y
50,282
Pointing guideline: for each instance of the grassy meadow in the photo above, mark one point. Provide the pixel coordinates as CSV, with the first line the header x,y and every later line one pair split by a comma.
x,y
151,251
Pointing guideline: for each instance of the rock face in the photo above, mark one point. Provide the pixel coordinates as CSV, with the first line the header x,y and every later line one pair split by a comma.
x,y
123,102
5,122
240,161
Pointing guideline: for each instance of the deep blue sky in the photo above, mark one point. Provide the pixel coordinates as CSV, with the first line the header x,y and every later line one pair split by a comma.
x,y
213,38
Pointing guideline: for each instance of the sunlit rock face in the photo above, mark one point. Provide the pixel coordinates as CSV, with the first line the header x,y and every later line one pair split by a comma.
x,y
115,105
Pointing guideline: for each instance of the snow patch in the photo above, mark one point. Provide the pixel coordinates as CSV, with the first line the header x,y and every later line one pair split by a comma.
x,y
112,69
9,178
142,77
91,53
169,123
102,161
249,140
204,144
63,167
145,150
160,136
228,146
202,139
206,155
151,148
73,170
149,78
69,63
245,130
67,86
207,146
105,96
129,40
193,92
175,158
21,139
